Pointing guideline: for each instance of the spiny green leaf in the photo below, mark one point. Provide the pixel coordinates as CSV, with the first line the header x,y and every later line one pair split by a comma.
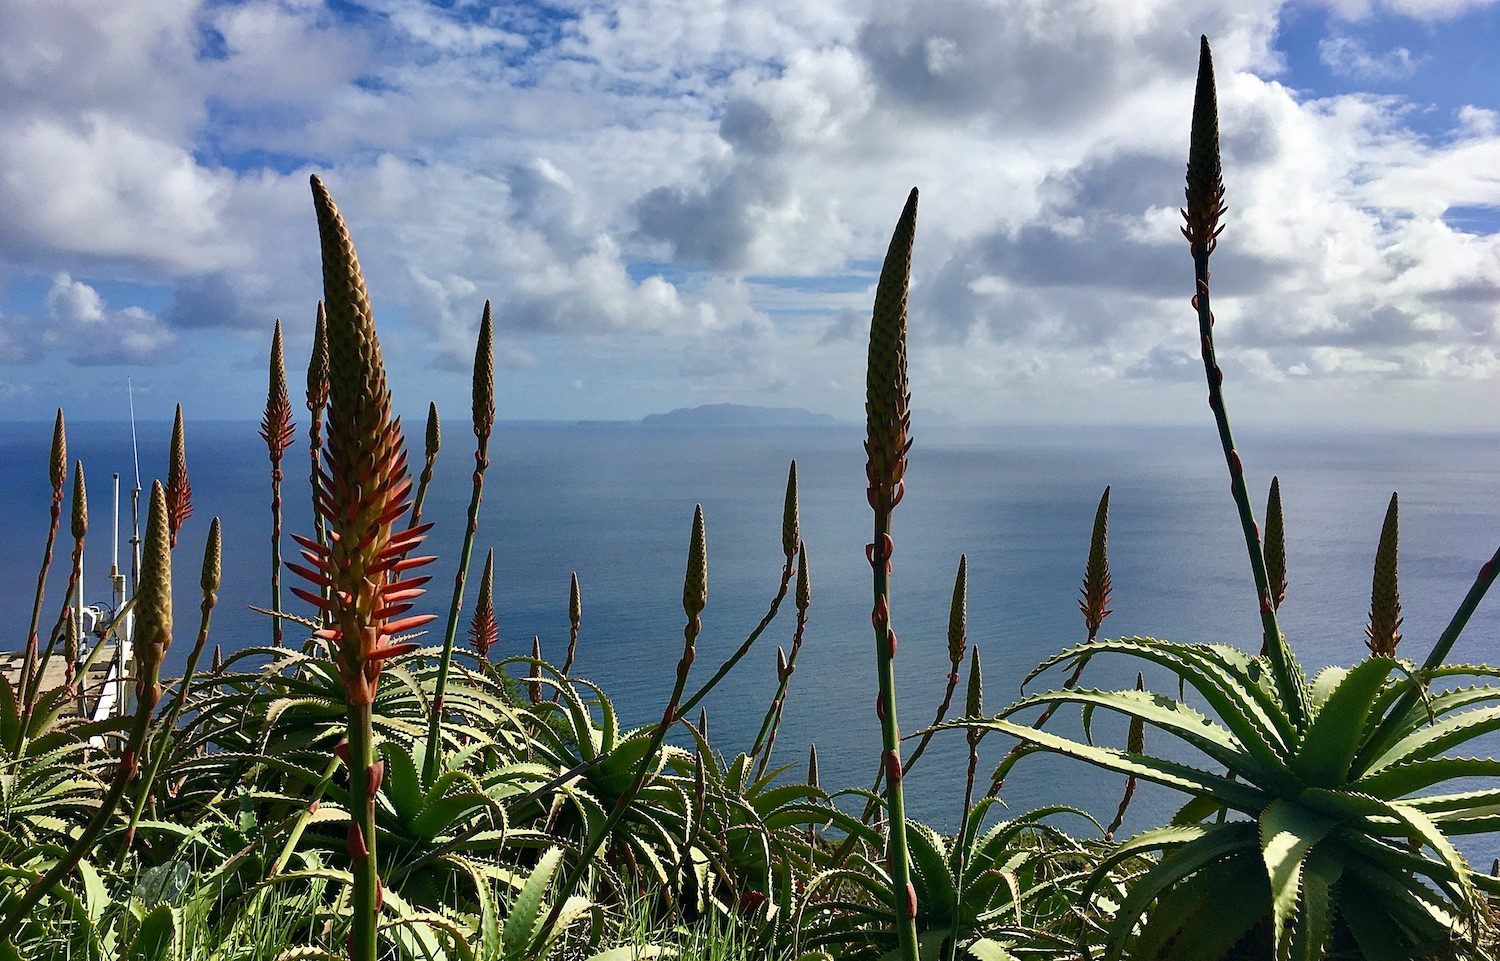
x,y
1334,736
521,923
1172,774
1288,832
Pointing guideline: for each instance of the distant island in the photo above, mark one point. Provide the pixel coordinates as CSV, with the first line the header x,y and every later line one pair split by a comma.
x,y
738,415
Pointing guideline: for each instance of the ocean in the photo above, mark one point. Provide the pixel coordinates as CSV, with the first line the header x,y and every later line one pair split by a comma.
x,y
614,503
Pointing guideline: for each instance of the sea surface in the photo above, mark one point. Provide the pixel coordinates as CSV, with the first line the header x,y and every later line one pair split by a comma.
x,y
614,503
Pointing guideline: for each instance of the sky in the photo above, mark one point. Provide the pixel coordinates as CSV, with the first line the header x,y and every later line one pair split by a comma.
x,y
683,202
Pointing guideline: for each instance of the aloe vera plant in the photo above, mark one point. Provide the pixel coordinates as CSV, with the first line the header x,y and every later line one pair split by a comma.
x,y
1330,831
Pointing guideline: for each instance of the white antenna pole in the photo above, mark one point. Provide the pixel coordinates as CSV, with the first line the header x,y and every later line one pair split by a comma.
x,y
114,558
127,645
134,447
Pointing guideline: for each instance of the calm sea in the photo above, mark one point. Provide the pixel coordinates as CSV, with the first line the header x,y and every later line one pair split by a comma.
x,y
615,504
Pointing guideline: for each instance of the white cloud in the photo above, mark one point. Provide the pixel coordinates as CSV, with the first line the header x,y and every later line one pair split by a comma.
x,y
1349,57
93,187
79,324
1428,10
607,177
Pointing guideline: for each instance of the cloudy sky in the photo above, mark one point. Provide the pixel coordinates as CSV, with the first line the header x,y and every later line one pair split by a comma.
x,y
681,202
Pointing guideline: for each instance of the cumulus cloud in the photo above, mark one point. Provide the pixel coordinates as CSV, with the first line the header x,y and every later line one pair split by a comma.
x,y
77,323
661,179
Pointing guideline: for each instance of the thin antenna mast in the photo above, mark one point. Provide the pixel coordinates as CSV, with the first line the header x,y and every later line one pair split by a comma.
x,y
127,645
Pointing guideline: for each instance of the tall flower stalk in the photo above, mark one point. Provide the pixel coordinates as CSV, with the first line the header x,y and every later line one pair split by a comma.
x,y
317,402
277,430
484,422
887,423
57,474
363,491
208,581
79,528
1205,207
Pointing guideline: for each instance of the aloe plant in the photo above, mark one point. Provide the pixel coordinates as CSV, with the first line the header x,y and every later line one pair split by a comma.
x,y
1331,827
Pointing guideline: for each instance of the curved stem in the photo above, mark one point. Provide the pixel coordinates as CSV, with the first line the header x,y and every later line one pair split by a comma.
x,y
433,759
744,648
29,664
1274,645
169,724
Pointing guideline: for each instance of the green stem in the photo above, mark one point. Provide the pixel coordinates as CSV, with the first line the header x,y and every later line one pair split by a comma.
x,y
596,837
744,648
422,481
362,778
58,629
290,847
1274,645
772,721
276,635
904,899
29,665
961,847
169,724
433,760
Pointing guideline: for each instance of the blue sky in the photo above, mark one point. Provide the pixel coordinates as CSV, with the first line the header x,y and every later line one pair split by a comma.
x,y
681,202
